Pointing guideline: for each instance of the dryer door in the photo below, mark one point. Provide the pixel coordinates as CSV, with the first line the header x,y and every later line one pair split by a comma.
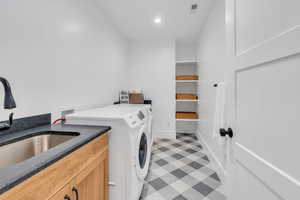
x,y
142,156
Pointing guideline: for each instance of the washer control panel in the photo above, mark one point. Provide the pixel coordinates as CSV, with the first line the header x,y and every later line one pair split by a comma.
x,y
135,119
141,115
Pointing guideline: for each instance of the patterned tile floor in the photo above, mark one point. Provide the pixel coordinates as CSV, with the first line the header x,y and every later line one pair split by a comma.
x,y
181,170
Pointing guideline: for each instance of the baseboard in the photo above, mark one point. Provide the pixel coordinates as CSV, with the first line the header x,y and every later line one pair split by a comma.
x,y
164,134
212,154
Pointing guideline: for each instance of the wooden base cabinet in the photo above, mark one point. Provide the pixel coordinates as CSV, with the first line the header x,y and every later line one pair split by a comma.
x,y
82,175
92,183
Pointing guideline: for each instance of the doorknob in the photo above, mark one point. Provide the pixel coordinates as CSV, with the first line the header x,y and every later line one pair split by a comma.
x,y
229,132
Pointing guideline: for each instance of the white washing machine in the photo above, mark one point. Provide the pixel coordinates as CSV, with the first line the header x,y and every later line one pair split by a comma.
x,y
146,109
129,153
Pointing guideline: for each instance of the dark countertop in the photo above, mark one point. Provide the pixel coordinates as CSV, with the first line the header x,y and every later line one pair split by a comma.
x,y
13,175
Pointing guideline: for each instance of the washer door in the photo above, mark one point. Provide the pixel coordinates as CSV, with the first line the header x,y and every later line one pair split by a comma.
x,y
142,157
150,130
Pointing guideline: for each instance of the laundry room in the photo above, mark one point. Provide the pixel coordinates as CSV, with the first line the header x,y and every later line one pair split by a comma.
x,y
149,100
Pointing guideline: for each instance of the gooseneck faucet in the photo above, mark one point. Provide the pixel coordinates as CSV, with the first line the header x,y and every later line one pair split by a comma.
x,y
9,103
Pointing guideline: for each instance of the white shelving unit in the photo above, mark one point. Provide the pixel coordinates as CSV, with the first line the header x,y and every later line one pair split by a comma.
x,y
187,67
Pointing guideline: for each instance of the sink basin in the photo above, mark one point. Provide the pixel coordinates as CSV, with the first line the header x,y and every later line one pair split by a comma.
x,y
25,148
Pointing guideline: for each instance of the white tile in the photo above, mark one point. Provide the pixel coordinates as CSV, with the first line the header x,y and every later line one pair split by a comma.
x,y
160,172
180,186
154,196
193,157
178,163
197,174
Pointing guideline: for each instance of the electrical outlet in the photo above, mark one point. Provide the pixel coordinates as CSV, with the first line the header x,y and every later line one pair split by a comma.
x,y
66,112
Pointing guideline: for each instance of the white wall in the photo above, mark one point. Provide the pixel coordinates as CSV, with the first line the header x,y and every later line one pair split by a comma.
x,y
211,53
59,54
186,51
152,69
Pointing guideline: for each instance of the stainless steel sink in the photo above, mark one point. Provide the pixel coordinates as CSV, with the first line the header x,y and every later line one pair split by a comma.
x,y
29,147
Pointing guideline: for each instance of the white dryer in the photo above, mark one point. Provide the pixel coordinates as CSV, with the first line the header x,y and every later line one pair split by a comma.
x,y
129,155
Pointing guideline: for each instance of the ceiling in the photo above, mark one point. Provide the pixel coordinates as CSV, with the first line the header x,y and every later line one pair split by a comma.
x,y
135,17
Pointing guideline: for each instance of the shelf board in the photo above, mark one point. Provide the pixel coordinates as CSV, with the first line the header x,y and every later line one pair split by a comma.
x,y
187,81
188,120
186,61
187,100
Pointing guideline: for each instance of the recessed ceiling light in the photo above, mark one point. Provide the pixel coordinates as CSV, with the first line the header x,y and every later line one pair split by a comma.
x,y
194,6
157,20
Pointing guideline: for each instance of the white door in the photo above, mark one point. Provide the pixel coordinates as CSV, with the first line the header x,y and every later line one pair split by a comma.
x,y
264,56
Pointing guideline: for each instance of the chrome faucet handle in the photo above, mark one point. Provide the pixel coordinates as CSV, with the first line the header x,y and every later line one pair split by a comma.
x,y
4,125
11,118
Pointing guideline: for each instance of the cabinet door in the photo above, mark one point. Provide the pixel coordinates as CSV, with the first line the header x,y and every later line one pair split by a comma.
x,y
92,182
63,194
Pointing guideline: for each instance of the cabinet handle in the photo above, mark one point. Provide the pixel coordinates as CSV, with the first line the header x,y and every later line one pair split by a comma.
x,y
74,189
67,197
